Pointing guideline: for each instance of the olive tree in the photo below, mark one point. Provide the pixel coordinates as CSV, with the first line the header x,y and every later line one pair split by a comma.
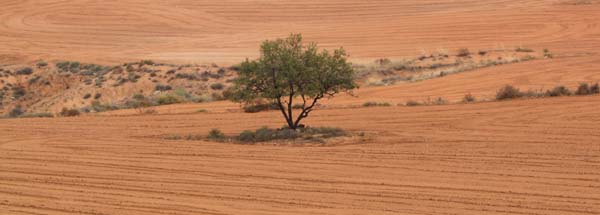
x,y
292,75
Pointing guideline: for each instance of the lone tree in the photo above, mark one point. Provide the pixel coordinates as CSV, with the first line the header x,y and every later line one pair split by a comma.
x,y
287,70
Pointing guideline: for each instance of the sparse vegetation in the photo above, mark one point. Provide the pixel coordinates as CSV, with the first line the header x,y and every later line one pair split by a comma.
x,y
216,135
463,52
24,71
376,104
523,49
558,91
66,112
469,98
411,103
16,112
217,86
508,92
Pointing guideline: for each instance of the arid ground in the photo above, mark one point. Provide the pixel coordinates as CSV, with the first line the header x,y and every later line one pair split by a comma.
x,y
524,156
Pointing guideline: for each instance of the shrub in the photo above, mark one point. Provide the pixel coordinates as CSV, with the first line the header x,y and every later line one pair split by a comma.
x,y
168,99
246,136
558,91
376,104
69,112
147,62
216,134
469,98
160,87
87,96
586,89
264,134
595,89
439,101
18,92
97,95
217,86
463,52
508,92
190,77
41,64
548,54
482,53
325,132
25,71
583,89
413,103
15,112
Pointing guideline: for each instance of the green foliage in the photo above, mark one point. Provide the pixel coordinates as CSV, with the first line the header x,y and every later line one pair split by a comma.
x,y
288,69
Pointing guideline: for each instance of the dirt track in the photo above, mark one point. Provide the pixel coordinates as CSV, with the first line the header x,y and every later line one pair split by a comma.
x,y
518,157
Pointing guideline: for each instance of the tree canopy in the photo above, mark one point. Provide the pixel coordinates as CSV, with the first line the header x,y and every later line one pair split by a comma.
x,y
289,71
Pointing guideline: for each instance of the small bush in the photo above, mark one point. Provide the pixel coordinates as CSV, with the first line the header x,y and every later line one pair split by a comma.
x,y
160,87
595,89
168,99
482,53
413,103
69,112
463,52
523,49
469,98
586,89
216,134
508,92
25,71
583,89
41,64
246,136
264,134
16,112
217,86
439,101
87,96
18,92
376,104
97,95
558,91
548,54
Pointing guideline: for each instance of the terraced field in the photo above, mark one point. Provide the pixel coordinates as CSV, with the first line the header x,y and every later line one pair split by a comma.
x,y
536,156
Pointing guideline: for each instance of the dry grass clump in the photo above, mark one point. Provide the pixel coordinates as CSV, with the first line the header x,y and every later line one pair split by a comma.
x,y
376,104
469,98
